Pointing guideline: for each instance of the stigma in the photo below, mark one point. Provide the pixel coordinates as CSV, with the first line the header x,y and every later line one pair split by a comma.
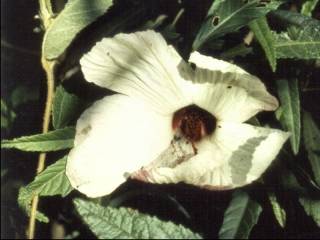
x,y
193,123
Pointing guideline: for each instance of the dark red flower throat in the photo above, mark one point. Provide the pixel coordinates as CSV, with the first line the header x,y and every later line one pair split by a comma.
x,y
194,122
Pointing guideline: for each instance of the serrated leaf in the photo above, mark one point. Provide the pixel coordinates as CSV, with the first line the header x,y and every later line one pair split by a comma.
x,y
278,211
306,47
311,137
125,223
288,92
52,181
65,108
312,208
51,141
76,15
308,7
240,217
263,34
24,202
302,40
227,16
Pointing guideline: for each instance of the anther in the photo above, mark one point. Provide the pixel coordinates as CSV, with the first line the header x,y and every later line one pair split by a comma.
x,y
193,122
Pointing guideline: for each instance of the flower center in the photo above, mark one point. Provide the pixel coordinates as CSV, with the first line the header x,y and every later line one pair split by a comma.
x,y
194,122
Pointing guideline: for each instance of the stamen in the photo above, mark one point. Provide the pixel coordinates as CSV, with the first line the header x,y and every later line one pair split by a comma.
x,y
194,122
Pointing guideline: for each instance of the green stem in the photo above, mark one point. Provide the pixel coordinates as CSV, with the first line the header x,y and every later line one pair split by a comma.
x,y
176,19
49,67
46,13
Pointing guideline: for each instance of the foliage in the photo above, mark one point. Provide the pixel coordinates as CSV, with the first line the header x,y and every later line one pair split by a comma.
x,y
301,40
312,208
19,96
308,7
52,181
240,217
311,137
290,105
278,211
284,53
76,15
112,223
263,34
51,141
227,16
65,108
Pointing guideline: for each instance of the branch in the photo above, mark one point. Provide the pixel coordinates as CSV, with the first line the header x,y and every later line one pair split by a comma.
x,y
46,15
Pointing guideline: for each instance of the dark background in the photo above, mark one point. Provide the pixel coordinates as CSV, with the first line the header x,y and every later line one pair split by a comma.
x,y
200,210
20,65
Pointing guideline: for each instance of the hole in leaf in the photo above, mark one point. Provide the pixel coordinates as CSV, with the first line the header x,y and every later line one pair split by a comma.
x,y
215,20
263,3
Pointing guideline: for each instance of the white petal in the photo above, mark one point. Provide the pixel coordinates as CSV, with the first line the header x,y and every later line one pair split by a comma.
x,y
249,150
236,155
227,91
115,136
139,65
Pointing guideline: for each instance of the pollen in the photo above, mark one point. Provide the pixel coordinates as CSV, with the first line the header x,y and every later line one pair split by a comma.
x,y
193,122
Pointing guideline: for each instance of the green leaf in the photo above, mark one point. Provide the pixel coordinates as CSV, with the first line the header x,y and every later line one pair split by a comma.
x,y
4,122
19,95
126,223
302,40
4,172
278,113
153,24
308,7
24,201
288,92
170,31
23,94
311,137
263,34
305,47
65,108
51,141
294,18
52,181
278,211
7,115
238,50
289,181
312,208
227,16
76,15
240,217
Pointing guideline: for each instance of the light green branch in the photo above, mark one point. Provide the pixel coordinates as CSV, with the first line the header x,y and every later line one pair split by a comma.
x,y
46,16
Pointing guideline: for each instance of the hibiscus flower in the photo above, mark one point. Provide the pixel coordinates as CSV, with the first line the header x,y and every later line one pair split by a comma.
x,y
169,122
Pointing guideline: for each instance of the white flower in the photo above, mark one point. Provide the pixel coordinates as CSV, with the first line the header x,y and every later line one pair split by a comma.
x,y
169,123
